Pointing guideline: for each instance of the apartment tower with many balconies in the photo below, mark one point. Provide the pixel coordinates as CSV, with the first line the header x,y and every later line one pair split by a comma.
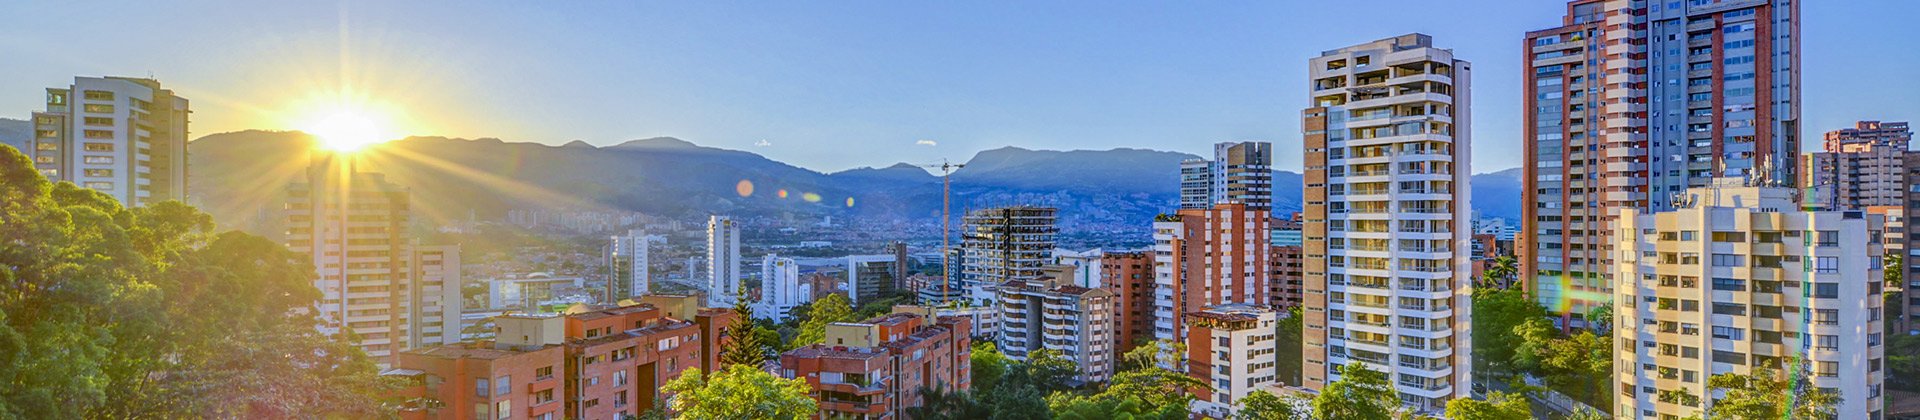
x,y
1386,272
1629,104
124,137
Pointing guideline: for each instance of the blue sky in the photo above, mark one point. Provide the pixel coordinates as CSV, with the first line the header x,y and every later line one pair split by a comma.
x,y
843,84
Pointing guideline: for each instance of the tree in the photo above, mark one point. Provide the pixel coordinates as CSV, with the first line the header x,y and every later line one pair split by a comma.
x,y
1360,394
1767,395
739,392
1498,406
989,366
1903,362
1291,345
1067,406
1582,362
1496,312
1049,371
833,308
108,311
743,345
1534,336
1263,405
1501,273
941,404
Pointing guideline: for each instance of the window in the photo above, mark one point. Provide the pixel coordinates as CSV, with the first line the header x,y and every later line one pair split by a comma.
x,y
504,409
543,373
1828,237
1826,316
99,134
1826,290
99,121
1735,285
99,160
98,108
97,95
1826,342
100,186
1827,369
97,147
99,172
503,385
1826,264
1729,333
1736,359
1734,309
480,387
1729,260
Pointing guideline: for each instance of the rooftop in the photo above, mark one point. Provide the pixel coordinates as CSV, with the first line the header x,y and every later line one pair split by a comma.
x,y
482,350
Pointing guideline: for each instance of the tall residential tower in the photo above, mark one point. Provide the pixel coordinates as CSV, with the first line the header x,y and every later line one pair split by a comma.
x,y
1386,212
122,136
723,262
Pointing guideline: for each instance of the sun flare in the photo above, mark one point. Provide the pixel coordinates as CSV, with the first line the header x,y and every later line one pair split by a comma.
x,y
348,130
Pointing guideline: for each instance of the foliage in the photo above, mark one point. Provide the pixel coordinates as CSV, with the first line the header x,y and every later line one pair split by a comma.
x,y
107,311
1582,363
1360,394
1534,335
1498,406
830,309
1501,273
1586,415
744,345
1153,354
1105,406
941,404
739,392
1903,362
1496,312
1049,371
1767,395
1017,401
989,366
1263,405
1600,319
1291,344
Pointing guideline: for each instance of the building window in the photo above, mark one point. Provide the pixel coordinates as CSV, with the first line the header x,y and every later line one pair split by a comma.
x,y
1826,342
100,186
99,134
1826,316
1826,290
1736,285
99,160
98,108
1729,333
97,147
99,172
98,95
503,409
480,387
543,373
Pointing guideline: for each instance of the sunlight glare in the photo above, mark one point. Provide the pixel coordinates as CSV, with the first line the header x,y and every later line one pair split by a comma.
x,y
347,131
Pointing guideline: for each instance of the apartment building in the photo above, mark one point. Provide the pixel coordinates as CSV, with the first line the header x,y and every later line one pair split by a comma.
x,y
628,266
516,376
1086,265
1203,257
1002,244
723,262
373,281
1387,279
1735,279
1860,167
1632,103
1050,312
1240,172
870,277
122,136
1284,275
1233,348
618,358
876,369
1128,276
712,323
780,288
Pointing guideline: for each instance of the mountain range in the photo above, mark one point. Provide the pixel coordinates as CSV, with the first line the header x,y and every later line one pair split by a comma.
x,y
238,177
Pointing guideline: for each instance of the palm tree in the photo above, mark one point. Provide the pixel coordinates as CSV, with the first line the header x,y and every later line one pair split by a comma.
x,y
1502,272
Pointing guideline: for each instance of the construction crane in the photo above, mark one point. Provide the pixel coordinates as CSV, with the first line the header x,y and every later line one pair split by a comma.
x,y
946,223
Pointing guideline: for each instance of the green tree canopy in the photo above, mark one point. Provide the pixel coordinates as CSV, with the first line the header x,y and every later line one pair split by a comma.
x,y
1498,406
1263,405
744,344
833,308
1360,394
739,392
1766,394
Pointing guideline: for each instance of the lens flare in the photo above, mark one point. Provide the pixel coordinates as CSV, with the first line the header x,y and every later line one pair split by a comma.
x,y
782,193
744,188
849,201
810,197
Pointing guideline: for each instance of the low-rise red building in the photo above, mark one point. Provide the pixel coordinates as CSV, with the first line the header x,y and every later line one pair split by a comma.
x,y
1285,279
514,376
875,369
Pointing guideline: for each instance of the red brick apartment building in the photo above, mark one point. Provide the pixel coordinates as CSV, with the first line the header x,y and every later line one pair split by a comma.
x,y
594,364
875,369
1129,277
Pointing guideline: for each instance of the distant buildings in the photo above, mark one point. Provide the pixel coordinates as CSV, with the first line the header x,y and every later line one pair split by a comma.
x,y
1053,313
1233,349
1205,257
1003,244
1386,204
1629,105
781,289
723,262
1240,172
1086,265
124,137
530,292
871,276
373,280
1128,276
1862,167
628,263
1735,279
518,375
1285,275
878,368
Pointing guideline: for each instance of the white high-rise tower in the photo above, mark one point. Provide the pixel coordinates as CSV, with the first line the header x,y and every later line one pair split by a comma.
x,y
723,262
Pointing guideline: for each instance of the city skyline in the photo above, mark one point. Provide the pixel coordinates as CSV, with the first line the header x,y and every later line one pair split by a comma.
x,y
879,76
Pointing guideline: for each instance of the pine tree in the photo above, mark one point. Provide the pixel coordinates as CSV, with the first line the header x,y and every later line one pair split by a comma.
x,y
743,347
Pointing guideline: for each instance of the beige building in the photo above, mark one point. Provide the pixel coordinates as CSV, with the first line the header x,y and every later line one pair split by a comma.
x,y
122,136
1233,348
1051,312
1736,279
374,282
1387,269
1862,167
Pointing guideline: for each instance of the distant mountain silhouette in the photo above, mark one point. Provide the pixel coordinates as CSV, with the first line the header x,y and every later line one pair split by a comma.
x,y
238,177
15,132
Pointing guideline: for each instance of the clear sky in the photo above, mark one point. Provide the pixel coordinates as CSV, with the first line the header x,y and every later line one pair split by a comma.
x,y
840,84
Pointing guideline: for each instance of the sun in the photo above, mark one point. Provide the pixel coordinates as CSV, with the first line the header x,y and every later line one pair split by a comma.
x,y
348,130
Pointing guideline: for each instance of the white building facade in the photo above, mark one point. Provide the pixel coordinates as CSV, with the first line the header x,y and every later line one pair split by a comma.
x,y
125,137
723,262
780,288
627,259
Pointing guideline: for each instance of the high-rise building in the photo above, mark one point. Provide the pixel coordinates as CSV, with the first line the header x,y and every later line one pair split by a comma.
x,y
1051,312
1629,104
1002,244
869,277
1129,277
1086,265
371,280
878,368
1233,349
435,297
1284,280
1240,172
1737,279
122,136
1386,216
627,261
723,262
1862,167
780,288
1206,257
